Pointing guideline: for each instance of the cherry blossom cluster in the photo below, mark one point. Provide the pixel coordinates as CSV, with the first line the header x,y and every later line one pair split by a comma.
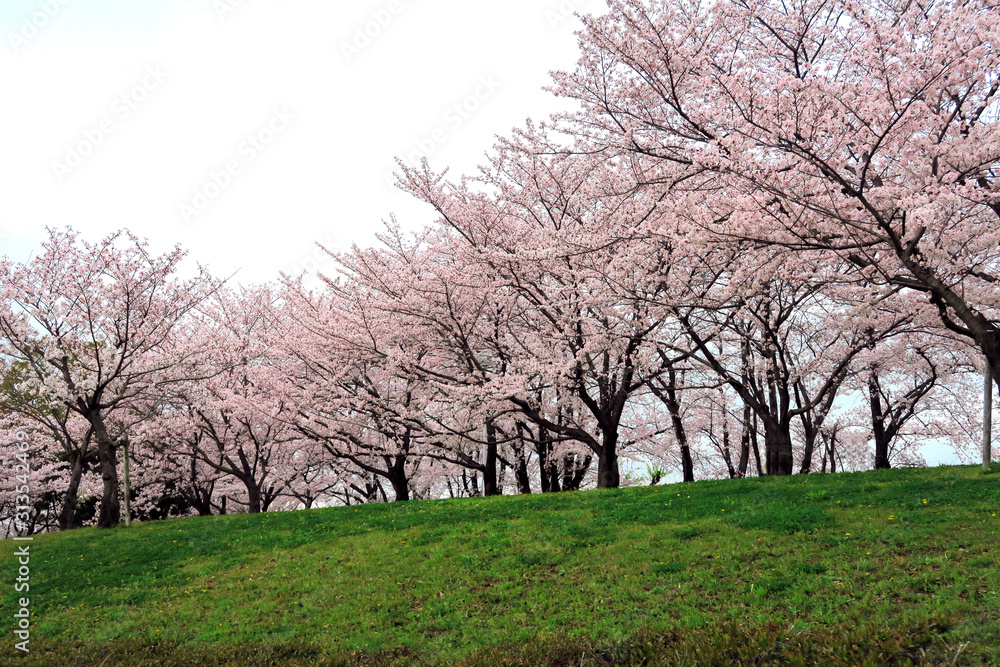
x,y
767,242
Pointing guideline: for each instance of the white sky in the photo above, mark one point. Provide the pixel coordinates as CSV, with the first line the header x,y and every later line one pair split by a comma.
x,y
71,69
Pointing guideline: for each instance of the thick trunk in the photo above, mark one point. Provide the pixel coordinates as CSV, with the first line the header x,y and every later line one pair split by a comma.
x,y
72,495
490,487
552,475
778,448
110,512
401,489
687,464
607,464
544,467
882,454
253,495
397,477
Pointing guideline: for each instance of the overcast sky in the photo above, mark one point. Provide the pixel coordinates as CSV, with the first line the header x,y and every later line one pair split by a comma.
x,y
247,130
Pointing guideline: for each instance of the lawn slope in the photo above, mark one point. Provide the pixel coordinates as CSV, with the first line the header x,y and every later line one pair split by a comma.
x,y
889,567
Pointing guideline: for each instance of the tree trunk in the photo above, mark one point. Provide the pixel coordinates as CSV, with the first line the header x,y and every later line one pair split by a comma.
x,y
756,447
574,471
878,423
741,469
778,449
202,494
726,455
521,469
809,434
268,496
669,396
401,489
110,512
882,454
128,481
548,472
607,464
72,495
687,464
253,495
490,487
397,477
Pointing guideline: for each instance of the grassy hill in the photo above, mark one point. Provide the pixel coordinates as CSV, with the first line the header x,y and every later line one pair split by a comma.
x,y
890,567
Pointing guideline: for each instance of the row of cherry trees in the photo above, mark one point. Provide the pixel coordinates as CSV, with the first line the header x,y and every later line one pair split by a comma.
x,y
767,242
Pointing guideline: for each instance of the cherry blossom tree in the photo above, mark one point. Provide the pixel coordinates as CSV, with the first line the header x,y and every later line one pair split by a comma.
x,y
767,239
92,326
863,130
345,391
553,233
35,497
913,377
228,419
914,389
170,479
60,425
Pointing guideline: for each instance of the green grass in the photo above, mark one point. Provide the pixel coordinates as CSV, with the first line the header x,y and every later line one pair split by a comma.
x,y
888,567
